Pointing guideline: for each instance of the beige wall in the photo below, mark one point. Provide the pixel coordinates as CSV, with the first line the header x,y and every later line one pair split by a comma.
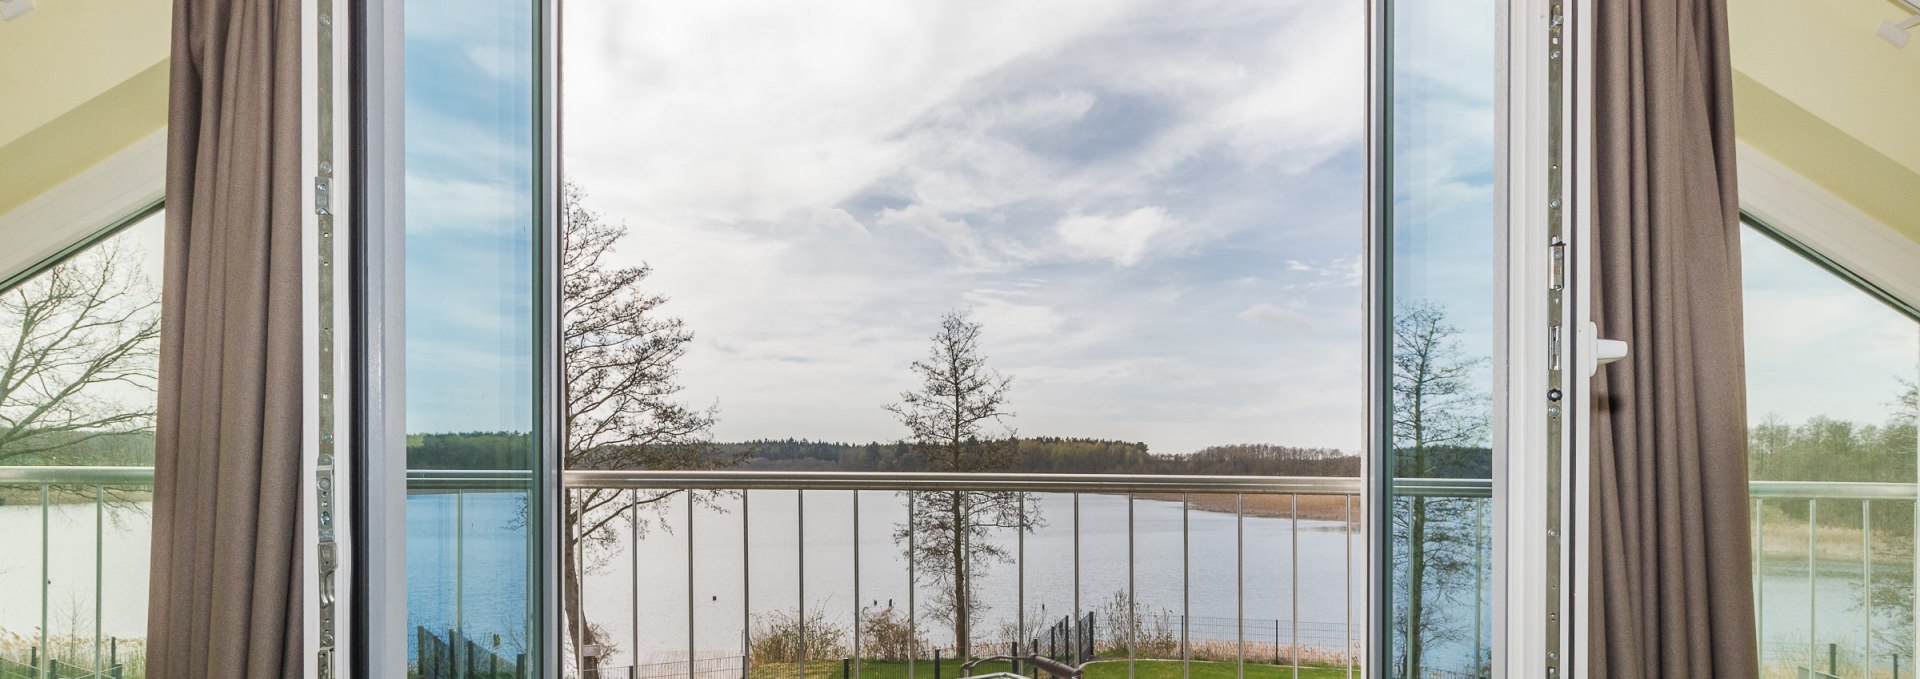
x,y
83,79
1817,90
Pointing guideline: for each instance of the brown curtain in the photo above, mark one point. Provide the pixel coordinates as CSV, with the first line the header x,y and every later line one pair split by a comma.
x,y
226,575
1672,588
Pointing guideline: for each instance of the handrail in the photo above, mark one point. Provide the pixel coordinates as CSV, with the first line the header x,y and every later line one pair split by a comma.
x,y
932,481
76,475
1831,490
470,479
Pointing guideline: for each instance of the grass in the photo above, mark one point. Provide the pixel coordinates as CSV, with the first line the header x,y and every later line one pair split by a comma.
x,y
1105,669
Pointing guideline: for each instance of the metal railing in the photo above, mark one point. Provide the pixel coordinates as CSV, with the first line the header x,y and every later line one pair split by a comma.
x,y
1022,486
1808,496
76,485
101,487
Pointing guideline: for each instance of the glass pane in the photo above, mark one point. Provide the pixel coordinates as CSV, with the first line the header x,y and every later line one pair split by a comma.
x,y
1441,224
957,238
1830,402
471,333
82,340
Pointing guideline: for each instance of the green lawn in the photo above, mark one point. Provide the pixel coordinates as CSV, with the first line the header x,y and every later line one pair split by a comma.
x,y
1108,669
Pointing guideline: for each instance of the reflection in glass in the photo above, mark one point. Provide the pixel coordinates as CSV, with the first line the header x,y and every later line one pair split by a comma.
x,y
963,237
1831,371
77,375
1441,227
470,336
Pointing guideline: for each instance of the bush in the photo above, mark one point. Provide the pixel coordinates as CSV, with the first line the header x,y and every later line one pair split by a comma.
x,y
777,637
886,635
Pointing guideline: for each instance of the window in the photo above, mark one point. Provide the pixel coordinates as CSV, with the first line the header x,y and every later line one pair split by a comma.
x,y
960,239
472,363
1441,219
81,339
1831,369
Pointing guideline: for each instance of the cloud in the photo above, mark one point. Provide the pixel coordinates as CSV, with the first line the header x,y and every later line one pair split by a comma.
x,y
1279,317
1114,186
1124,239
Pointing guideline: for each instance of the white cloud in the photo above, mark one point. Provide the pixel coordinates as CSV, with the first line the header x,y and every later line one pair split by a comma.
x,y
1270,315
1124,239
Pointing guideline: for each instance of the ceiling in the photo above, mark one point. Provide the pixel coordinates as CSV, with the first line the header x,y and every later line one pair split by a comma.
x,y
85,79
1817,90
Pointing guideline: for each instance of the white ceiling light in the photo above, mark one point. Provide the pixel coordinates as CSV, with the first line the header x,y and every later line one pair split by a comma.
x,y
1895,32
12,9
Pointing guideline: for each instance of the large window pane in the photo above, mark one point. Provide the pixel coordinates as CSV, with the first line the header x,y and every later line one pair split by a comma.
x,y
1830,403
471,334
1441,226
964,237
81,341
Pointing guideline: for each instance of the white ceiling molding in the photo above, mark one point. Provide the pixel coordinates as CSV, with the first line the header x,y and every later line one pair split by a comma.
x,y
112,190
1813,216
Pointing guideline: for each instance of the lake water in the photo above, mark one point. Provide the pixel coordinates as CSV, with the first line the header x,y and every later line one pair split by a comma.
x,y
489,596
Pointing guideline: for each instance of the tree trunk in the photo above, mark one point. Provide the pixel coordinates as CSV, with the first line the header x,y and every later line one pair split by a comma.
x,y
581,633
1416,584
962,632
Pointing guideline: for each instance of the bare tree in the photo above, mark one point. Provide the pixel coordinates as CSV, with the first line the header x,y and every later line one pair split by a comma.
x,y
80,342
956,423
1439,417
622,388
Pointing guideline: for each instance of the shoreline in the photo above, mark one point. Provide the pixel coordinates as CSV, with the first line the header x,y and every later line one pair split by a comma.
x,y
1314,507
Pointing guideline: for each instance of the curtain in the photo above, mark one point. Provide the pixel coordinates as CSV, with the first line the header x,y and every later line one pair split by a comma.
x,y
1672,577
226,574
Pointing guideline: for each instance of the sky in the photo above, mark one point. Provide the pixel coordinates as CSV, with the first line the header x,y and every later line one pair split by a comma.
x,y
1153,207
1816,345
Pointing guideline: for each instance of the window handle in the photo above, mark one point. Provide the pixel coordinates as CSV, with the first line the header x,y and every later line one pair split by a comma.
x,y
1599,352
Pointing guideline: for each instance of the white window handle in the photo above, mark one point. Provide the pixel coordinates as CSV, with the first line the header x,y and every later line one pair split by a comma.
x,y
1599,352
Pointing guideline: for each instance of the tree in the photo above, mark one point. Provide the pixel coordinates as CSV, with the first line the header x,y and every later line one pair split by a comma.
x,y
619,354
1439,422
956,423
81,341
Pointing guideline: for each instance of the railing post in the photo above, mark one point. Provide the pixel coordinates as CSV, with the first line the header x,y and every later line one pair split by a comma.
x,y
1813,625
99,565
913,584
1186,586
690,605
1866,586
46,575
1293,523
1133,614
936,665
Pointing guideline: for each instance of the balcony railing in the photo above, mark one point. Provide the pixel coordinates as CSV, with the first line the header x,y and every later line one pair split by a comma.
x,y
1876,643
1796,600
71,492
1291,641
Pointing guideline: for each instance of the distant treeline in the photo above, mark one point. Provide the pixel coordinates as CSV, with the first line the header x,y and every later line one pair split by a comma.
x,y
92,448
471,450
1052,454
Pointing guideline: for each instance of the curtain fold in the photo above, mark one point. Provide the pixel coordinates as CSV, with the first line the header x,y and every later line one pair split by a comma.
x,y
1671,560
226,570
